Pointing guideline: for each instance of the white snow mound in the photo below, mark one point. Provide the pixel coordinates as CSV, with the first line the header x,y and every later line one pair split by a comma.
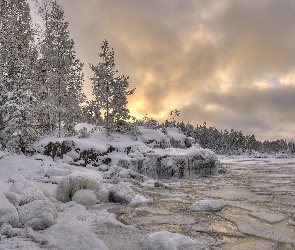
x,y
164,240
38,214
74,182
8,212
85,197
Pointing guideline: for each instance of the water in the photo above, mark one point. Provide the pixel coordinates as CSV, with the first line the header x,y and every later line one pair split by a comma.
x,y
259,211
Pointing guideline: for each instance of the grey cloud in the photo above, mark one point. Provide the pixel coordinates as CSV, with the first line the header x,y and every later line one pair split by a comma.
x,y
248,109
155,43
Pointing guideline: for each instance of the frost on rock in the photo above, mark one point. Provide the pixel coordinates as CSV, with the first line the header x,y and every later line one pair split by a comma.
x,y
85,197
74,182
166,241
121,193
206,205
8,212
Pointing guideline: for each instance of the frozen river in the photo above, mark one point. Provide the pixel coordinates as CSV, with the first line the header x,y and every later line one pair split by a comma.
x,y
259,206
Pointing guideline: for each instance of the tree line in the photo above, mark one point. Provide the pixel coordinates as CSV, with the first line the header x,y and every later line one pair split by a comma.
x,y
223,141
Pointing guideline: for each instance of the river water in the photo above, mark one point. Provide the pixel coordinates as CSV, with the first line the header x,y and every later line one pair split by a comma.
x,y
258,213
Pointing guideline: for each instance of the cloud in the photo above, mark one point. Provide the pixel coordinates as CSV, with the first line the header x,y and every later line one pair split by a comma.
x,y
216,61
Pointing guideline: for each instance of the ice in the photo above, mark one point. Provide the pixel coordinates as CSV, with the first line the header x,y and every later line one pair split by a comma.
x,y
164,240
206,205
121,193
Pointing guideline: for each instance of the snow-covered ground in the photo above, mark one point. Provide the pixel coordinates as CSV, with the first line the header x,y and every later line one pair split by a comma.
x,y
252,206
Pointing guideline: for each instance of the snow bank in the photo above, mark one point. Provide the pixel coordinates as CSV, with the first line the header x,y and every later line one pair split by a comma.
x,y
206,205
166,241
74,182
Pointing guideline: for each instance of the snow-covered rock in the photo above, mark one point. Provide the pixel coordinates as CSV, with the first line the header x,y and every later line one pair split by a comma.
x,y
30,192
8,212
121,193
13,198
206,205
164,240
103,194
38,214
16,187
74,182
85,197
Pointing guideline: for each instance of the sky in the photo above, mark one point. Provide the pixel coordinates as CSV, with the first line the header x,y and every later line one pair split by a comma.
x,y
230,63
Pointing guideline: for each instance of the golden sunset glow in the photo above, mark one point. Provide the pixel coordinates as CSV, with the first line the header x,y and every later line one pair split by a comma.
x,y
229,63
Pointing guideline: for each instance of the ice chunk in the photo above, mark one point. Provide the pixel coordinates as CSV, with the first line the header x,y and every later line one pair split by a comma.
x,y
206,205
121,193
166,241
139,199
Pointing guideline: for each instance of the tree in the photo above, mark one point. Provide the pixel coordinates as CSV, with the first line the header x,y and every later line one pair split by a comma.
x,y
61,74
18,126
110,92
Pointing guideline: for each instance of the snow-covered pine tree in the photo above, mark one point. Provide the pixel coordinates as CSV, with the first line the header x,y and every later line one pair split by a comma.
x,y
91,113
61,74
110,92
18,126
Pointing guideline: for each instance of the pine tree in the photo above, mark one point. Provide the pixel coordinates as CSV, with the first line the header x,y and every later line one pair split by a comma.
x,y
110,92
61,74
18,126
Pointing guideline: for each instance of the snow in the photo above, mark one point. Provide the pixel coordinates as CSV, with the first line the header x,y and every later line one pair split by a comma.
x,y
74,182
252,203
85,197
164,240
8,212
38,214
121,193
72,231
